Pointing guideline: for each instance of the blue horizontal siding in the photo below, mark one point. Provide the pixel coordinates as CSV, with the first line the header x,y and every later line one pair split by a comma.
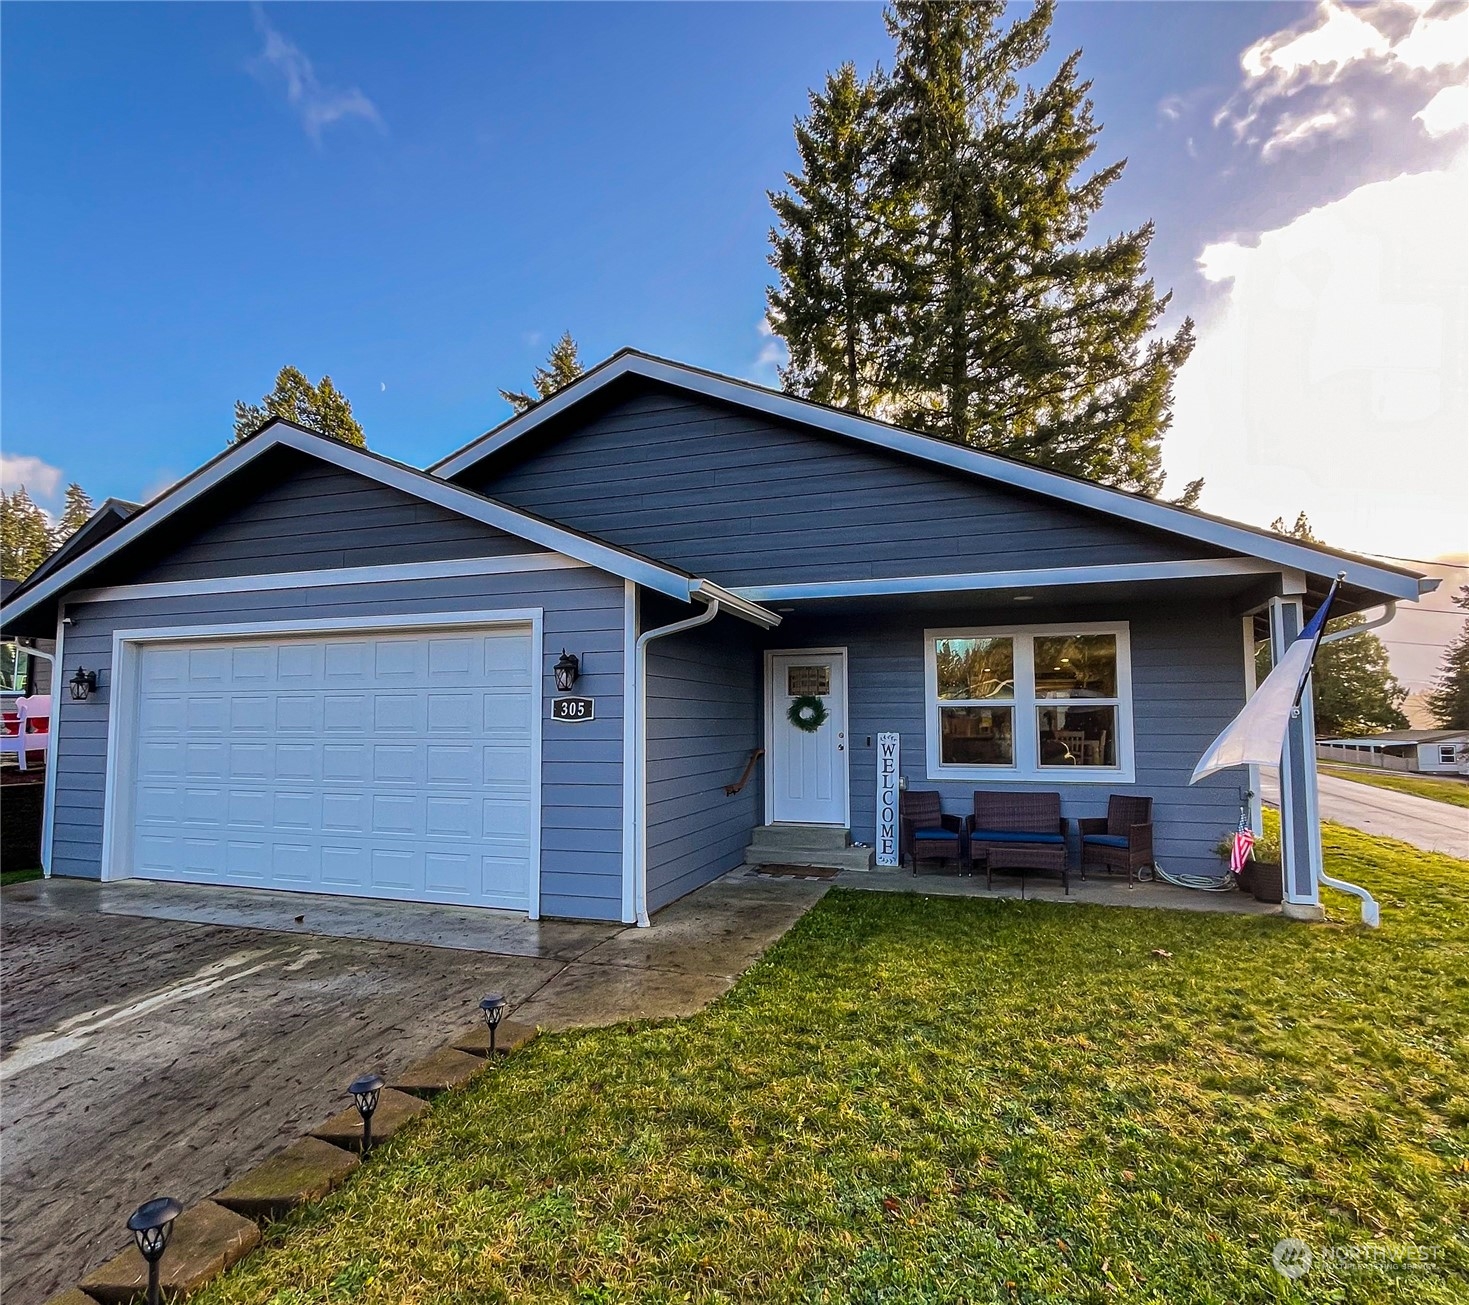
x,y
744,499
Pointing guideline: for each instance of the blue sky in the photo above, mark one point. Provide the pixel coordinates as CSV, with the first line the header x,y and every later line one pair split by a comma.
x,y
418,198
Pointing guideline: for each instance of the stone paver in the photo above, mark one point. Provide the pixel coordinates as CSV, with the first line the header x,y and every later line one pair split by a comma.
x,y
512,1035
71,1296
438,1072
206,1240
394,1109
305,1171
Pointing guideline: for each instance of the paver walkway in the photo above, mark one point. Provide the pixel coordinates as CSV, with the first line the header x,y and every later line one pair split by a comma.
x,y
161,1038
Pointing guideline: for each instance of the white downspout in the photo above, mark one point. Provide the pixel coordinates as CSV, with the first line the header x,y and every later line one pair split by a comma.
x,y
640,762
1371,912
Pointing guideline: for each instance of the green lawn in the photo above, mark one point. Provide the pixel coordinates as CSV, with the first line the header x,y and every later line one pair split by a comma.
x,y
8,877
914,1100
1453,791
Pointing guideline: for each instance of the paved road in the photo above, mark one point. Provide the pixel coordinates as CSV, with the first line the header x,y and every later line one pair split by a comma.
x,y
1433,826
153,1046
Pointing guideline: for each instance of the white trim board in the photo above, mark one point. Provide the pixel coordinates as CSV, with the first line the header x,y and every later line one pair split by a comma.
x,y
122,703
1136,508
1037,578
510,564
452,498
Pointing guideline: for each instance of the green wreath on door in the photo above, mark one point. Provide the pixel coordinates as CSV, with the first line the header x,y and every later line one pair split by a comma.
x,y
807,713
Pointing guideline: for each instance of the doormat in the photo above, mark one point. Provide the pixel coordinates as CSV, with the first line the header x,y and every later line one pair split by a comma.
x,y
796,871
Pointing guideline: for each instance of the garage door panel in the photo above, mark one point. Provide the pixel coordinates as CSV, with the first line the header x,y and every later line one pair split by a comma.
x,y
393,765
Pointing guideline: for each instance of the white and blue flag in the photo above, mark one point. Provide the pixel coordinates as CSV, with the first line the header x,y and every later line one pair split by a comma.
x,y
1256,737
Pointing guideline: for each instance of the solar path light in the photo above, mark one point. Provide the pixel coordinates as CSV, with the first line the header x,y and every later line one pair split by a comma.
x,y
494,1007
365,1091
151,1225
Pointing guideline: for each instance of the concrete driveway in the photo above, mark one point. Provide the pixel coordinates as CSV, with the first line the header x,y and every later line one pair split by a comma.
x,y
1433,826
160,1039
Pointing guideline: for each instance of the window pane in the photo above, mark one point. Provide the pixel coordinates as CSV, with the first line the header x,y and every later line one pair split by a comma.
x,y
1078,736
801,680
975,668
1076,666
977,736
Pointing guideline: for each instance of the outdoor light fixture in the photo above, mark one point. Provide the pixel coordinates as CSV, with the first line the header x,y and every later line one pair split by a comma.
x,y
494,1007
82,684
151,1225
364,1091
567,671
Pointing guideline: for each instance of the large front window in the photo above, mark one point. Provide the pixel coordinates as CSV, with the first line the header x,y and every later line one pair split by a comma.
x,y
1043,702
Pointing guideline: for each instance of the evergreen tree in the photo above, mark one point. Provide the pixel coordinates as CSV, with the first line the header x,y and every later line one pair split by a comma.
x,y
834,251
562,367
1352,685
322,408
1005,330
1448,700
25,535
74,515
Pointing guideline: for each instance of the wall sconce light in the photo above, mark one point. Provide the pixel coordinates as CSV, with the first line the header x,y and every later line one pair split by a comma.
x,y
568,669
83,683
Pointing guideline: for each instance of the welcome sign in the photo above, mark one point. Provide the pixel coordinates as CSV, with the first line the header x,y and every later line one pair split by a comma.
x,y
887,799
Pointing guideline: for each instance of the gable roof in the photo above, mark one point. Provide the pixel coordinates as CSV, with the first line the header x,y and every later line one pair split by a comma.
x,y
1313,559
278,433
102,522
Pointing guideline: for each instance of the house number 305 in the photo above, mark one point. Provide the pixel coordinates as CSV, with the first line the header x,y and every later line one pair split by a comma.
x,y
573,709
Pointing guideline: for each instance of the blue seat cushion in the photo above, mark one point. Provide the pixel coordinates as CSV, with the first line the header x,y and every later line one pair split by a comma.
x,y
1013,836
1105,840
934,833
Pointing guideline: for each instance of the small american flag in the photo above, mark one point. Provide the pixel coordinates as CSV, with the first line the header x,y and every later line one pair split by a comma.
x,y
1244,846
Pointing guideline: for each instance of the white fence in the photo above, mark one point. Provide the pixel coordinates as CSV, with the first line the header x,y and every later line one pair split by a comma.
x,y
1363,757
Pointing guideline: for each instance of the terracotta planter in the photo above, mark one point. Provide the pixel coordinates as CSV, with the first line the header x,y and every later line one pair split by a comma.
x,y
1267,883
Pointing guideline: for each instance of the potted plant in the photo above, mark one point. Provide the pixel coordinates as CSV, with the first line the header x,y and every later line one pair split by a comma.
x,y
1261,876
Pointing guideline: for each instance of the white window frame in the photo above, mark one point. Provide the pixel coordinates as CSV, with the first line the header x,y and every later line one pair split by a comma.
x,y
1027,768
1452,752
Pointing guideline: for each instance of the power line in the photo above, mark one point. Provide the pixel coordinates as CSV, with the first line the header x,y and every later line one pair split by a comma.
x,y
1423,561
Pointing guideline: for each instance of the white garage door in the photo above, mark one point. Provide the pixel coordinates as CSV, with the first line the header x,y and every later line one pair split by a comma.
x,y
389,764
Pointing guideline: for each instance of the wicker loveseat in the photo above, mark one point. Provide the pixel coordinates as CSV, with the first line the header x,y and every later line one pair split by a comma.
x,y
1018,832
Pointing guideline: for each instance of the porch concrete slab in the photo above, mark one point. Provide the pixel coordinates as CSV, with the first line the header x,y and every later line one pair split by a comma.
x,y
1039,888
460,928
206,1240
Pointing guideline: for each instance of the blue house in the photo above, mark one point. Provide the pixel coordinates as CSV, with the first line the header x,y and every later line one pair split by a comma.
x,y
319,669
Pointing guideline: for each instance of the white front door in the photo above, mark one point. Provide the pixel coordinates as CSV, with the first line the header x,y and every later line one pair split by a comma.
x,y
808,767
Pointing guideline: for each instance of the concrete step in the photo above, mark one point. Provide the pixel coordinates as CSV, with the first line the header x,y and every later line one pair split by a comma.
x,y
840,858
823,838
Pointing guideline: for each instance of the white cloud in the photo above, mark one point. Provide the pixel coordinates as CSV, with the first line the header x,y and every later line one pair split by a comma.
x,y
1339,39
1318,80
41,479
1445,112
283,62
773,355
1332,380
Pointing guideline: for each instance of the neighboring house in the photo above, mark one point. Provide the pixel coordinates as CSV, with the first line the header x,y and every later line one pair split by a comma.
x,y
323,670
1433,752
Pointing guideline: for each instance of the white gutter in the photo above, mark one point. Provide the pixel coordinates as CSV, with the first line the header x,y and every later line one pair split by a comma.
x,y
640,761
1388,612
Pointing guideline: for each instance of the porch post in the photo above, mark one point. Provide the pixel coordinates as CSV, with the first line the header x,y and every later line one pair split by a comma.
x,y
1300,821
1255,803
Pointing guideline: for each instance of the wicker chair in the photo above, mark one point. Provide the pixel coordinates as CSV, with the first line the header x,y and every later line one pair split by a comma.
x,y
923,825
1120,840
1019,832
